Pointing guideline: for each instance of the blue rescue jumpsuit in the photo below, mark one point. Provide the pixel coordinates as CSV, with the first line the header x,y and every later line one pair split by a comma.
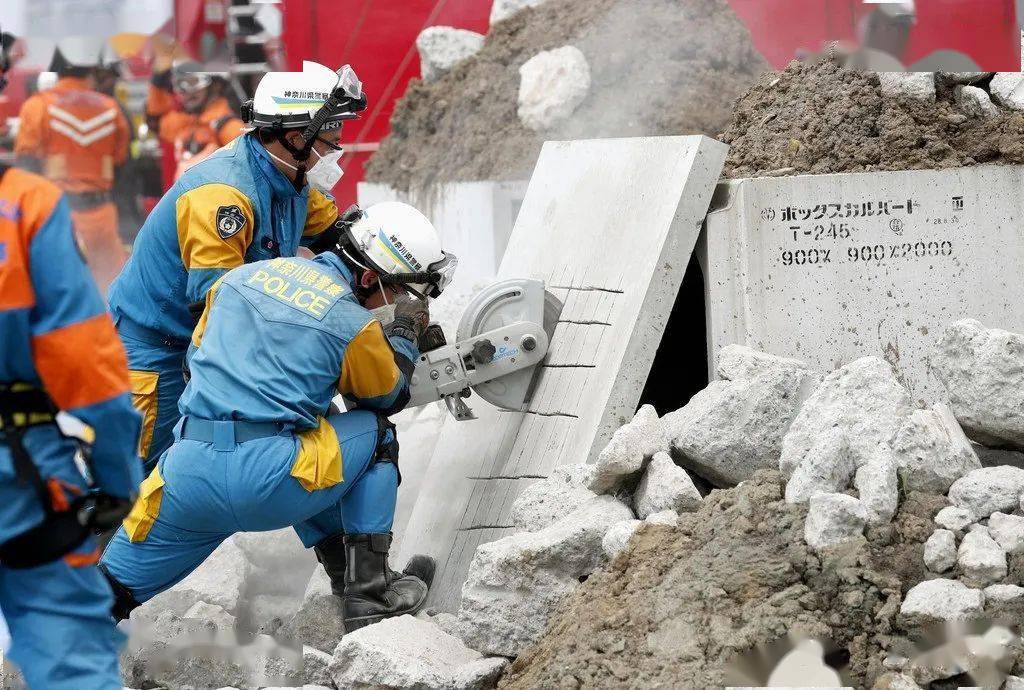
x,y
277,341
56,335
233,208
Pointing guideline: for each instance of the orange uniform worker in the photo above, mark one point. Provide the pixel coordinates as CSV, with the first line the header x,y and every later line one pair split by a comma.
x,y
191,112
76,137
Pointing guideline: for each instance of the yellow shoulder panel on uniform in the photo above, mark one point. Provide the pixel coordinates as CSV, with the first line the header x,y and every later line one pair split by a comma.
x,y
369,369
200,329
215,226
320,214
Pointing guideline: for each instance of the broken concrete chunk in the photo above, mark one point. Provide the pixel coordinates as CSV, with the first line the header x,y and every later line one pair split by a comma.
x,y
975,102
319,623
1013,682
733,428
826,467
932,450
833,519
668,518
878,486
219,580
515,583
315,666
919,86
1008,89
402,652
482,674
319,584
552,84
980,370
736,362
940,551
547,500
862,401
503,9
963,77
211,614
665,486
982,561
617,538
1008,531
625,454
943,600
987,490
954,518
895,681
443,47
1003,594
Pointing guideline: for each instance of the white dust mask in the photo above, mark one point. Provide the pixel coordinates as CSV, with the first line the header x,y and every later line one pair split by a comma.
x,y
326,172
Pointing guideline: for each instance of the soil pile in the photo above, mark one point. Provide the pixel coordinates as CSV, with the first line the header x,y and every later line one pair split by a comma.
x,y
821,118
657,67
674,609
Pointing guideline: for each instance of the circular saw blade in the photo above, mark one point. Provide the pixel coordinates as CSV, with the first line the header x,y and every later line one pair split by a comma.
x,y
501,304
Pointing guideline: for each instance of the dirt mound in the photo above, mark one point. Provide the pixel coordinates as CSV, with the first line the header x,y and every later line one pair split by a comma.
x,y
821,118
657,67
674,608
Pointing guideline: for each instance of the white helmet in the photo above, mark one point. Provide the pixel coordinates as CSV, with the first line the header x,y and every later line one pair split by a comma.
x,y
289,100
399,244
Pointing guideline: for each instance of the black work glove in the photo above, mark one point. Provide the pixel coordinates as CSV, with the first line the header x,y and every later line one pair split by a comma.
x,y
412,316
101,512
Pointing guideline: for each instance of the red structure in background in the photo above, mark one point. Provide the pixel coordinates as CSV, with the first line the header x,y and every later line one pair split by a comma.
x,y
985,30
378,38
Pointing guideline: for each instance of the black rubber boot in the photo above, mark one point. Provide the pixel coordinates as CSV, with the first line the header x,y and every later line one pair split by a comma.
x,y
373,591
330,551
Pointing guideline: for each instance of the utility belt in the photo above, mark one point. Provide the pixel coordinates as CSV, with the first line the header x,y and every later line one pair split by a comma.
x,y
225,434
129,328
23,406
83,201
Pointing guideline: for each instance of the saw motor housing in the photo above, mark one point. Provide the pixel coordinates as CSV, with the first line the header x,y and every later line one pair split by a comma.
x,y
502,339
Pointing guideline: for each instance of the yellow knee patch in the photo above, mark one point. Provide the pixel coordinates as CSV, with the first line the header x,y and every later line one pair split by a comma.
x,y
144,399
146,509
318,463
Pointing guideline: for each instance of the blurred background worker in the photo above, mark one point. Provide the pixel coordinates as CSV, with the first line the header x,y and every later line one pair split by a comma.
x,y
253,199
77,137
188,107
58,351
258,448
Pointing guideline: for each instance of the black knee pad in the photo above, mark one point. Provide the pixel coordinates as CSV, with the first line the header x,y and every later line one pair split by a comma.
x,y
124,600
387,451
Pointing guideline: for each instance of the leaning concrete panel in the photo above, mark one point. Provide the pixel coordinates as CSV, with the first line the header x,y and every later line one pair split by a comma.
x,y
832,267
609,226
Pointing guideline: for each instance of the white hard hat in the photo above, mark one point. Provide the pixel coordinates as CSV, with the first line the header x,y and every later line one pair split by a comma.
x,y
79,51
293,99
401,245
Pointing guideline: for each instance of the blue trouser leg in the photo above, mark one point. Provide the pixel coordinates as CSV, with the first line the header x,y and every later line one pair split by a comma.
x,y
208,495
59,618
168,363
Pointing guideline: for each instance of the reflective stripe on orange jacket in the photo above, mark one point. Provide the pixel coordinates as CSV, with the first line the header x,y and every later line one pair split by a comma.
x,y
79,135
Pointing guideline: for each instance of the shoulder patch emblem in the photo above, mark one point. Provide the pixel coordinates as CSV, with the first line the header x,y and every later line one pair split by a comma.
x,y
229,221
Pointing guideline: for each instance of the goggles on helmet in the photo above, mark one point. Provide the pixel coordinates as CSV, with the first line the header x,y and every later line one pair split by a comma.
x,y
429,283
190,82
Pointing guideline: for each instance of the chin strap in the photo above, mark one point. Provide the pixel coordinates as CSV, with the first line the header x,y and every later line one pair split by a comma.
x,y
300,154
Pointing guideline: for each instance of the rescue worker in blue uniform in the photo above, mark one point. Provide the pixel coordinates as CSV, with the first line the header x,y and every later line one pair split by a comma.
x,y
257,447
251,200
59,352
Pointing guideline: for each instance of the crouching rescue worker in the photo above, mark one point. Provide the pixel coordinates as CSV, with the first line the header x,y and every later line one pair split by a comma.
x,y
257,448
252,200
58,351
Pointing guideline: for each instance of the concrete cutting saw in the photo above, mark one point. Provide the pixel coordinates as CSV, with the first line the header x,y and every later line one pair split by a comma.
x,y
500,344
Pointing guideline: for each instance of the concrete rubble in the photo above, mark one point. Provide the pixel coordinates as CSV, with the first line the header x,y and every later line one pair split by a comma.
x,y
552,84
954,518
979,368
1008,89
665,486
735,426
987,490
1008,531
617,538
929,434
975,102
833,519
503,9
408,652
980,558
443,47
917,85
940,551
630,447
943,599
545,501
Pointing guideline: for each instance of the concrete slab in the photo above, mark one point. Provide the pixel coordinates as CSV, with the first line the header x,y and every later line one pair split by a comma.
x,y
475,220
833,267
609,226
